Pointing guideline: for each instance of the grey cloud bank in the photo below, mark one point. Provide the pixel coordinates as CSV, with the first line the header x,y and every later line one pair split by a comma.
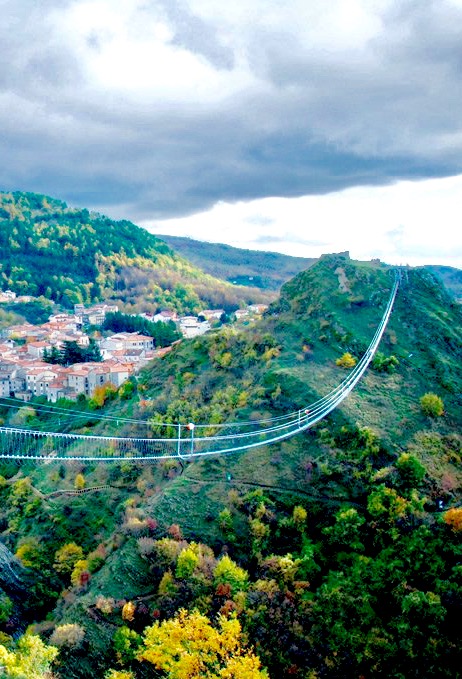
x,y
162,110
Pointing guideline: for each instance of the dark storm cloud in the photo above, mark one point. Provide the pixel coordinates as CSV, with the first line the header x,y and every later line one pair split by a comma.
x,y
308,123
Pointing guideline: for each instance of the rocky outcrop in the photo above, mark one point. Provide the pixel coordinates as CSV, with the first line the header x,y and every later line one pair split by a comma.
x,y
11,571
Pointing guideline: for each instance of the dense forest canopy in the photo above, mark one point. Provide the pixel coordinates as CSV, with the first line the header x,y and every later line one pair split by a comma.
x,y
71,256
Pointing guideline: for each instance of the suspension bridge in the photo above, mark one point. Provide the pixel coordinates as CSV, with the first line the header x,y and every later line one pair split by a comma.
x,y
190,440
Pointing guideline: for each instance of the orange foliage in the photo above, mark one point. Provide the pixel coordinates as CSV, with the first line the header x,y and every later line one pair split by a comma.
x,y
453,518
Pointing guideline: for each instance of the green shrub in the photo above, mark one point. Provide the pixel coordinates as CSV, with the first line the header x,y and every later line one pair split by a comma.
x,y
432,405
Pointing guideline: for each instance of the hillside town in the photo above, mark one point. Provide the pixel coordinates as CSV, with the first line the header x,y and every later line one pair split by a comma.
x,y
25,374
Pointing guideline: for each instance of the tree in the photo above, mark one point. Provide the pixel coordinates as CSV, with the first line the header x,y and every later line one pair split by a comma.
x,y
381,363
432,405
188,647
346,532
80,574
453,518
92,353
162,333
101,394
346,361
411,471
67,557
187,562
228,572
74,353
31,659
6,607
385,504
53,356
126,642
71,353
70,635
79,482
299,516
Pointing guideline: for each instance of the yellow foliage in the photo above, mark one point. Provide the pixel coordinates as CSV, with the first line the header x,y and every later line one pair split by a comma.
x,y
30,660
346,361
67,557
188,647
432,405
227,572
225,359
167,584
269,353
299,516
128,611
258,529
102,393
80,568
79,482
27,553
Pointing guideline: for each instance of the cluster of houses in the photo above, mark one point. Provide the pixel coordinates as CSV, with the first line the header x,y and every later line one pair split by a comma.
x,y
24,374
192,326
8,296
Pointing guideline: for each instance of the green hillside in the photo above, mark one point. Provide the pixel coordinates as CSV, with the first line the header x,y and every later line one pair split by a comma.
x,y
451,277
266,270
342,543
71,255
269,270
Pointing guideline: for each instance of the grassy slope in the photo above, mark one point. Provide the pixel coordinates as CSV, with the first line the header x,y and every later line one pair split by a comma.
x,y
424,333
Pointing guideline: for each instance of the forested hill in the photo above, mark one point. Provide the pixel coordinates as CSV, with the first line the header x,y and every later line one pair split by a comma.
x,y
269,270
266,270
451,277
343,543
72,255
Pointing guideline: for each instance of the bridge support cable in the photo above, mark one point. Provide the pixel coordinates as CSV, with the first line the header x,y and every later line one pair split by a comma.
x,y
191,440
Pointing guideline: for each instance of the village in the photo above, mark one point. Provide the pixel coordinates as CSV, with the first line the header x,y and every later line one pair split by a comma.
x,y
24,374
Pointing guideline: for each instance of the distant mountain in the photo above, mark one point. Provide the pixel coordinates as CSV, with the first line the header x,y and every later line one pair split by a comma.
x,y
71,255
450,276
266,270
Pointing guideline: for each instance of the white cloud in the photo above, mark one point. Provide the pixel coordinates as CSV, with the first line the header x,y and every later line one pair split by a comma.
x,y
129,47
408,222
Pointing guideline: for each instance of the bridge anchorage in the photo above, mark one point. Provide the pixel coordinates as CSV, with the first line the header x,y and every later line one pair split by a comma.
x,y
191,440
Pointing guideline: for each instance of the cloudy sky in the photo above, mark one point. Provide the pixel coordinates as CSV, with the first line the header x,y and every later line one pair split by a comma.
x,y
302,126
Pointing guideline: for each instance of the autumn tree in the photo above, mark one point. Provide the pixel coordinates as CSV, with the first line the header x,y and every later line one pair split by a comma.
x,y
67,557
30,659
188,647
228,572
453,518
432,405
346,361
